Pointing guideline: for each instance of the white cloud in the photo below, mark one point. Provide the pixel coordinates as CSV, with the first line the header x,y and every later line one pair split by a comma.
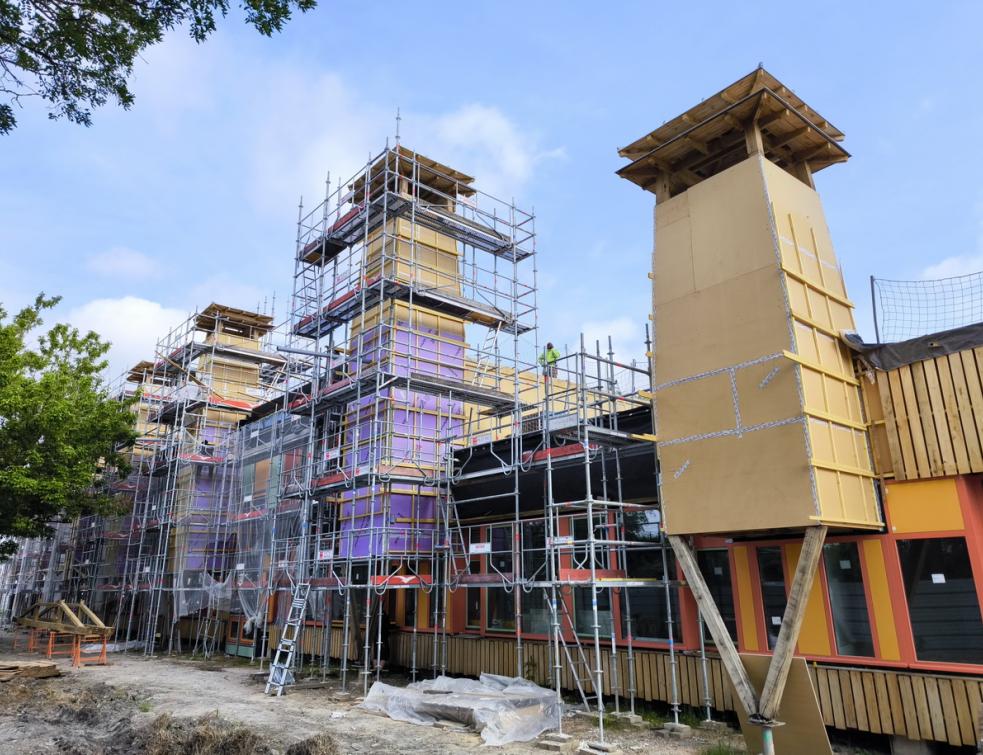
x,y
132,325
961,264
227,290
627,338
120,262
951,267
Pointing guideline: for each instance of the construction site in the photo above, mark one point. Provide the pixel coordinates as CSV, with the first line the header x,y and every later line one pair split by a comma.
x,y
402,500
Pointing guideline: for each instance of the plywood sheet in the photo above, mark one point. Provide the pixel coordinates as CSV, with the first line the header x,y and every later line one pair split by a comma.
x,y
803,732
732,484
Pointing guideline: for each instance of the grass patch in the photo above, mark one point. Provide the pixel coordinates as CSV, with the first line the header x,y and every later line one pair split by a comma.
x,y
723,749
144,706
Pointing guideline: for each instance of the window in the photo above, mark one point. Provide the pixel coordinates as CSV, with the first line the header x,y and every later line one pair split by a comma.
x,y
942,601
409,608
646,606
535,609
772,577
847,600
715,568
473,599
501,610
582,607
501,546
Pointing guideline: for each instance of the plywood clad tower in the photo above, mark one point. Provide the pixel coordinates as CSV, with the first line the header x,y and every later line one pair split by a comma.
x,y
758,412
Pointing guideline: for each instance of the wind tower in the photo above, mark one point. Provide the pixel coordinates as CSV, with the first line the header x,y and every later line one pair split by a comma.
x,y
758,411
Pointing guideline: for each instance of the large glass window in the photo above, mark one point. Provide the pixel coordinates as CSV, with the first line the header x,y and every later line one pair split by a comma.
x,y
535,610
942,600
772,577
715,568
501,609
646,606
583,609
847,600
501,547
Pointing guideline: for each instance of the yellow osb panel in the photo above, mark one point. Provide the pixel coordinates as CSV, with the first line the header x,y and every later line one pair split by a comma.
x,y
733,484
924,506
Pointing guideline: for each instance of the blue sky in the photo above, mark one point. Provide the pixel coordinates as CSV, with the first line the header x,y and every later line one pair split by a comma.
x,y
191,196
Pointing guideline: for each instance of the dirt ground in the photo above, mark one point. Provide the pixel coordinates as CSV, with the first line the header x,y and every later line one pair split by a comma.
x,y
173,705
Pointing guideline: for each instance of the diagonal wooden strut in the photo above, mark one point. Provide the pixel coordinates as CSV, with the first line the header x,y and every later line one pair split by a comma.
x,y
718,630
788,635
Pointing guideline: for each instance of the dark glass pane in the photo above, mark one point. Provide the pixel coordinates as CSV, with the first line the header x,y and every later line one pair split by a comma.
x,y
646,606
584,613
409,615
715,568
535,612
501,545
847,601
501,609
473,619
534,551
772,590
942,601
643,526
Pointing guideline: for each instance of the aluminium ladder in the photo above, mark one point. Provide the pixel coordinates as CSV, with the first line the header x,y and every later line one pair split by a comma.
x,y
280,669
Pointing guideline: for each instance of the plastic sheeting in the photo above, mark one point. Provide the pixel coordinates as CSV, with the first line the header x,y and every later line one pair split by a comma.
x,y
502,708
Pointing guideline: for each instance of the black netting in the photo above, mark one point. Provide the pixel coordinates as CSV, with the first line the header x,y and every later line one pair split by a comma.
x,y
907,309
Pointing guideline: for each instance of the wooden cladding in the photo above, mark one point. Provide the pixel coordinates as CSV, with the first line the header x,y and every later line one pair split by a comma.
x,y
932,707
931,413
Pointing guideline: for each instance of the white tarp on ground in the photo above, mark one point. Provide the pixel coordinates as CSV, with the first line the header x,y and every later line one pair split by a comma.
x,y
503,708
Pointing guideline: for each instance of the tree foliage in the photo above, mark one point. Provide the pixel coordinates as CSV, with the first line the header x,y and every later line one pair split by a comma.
x,y
58,424
79,54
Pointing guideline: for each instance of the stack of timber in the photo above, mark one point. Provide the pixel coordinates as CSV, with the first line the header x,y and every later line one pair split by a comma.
x,y
27,670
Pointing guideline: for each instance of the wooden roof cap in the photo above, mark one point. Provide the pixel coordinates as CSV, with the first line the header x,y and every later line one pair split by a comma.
x,y
431,173
209,317
759,79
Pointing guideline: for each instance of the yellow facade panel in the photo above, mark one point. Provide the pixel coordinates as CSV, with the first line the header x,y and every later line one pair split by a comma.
x,y
923,506
814,635
748,627
880,600
767,392
675,277
733,484
696,408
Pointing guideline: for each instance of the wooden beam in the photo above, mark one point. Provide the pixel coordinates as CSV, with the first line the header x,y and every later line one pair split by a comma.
x,y
752,138
791,136
718,630
788,635
776,116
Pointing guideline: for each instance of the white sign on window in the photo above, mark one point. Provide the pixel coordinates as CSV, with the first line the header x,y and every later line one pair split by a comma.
x,y
325,555
938,579
477,549
240,567
776,621
845,565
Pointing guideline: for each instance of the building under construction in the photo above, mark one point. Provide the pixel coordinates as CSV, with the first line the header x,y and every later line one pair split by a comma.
x,y
763,512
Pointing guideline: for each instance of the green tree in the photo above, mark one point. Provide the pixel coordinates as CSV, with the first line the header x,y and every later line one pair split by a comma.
x,y
58,424
78,54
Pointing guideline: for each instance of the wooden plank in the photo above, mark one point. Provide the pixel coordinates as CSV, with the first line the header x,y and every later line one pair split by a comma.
x,y
975,390
825,705
926,419
940,418
849,709
966,418
914,422
890,424
859,702
795,609
921,707
897,706
935,708
908,469
953,421
870,699
718,630
964,714
912,724
948,704
883,701
836,698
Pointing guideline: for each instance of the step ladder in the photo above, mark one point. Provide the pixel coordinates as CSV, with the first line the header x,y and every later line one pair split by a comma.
x,y
280,669
577,660
484,369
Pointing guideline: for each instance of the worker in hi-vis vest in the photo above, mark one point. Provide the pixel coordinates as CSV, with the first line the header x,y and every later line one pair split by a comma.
x,y
548,360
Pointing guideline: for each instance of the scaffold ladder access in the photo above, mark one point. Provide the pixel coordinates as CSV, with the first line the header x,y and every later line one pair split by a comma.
x,y
280,669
